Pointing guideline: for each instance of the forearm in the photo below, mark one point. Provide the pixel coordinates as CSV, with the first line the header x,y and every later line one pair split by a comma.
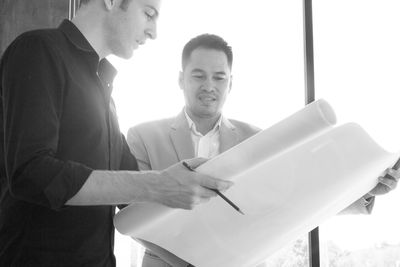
x,y
114,188
174,187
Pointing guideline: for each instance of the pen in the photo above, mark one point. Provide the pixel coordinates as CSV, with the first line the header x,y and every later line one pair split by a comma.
x,y
215,190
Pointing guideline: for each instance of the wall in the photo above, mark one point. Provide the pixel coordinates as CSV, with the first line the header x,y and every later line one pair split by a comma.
x,y
17,16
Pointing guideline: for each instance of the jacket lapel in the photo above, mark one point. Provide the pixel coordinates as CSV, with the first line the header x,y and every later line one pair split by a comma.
x,y
180,137
228,136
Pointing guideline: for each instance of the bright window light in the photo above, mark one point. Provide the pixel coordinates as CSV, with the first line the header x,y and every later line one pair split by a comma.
x,y
357,66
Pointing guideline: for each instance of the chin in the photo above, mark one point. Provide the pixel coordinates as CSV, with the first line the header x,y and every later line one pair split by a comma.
x,y
125,53
209,114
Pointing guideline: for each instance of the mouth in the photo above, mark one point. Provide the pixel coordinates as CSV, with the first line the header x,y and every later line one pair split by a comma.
x,y
207,98
141,42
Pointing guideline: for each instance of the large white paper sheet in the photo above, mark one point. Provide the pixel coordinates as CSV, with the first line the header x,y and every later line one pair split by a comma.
x,y
288,179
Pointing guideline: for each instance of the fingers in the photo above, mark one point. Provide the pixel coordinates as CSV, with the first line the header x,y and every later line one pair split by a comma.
x,y
395,174
386,184
388,181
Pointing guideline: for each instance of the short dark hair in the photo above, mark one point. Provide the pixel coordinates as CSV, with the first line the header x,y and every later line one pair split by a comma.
x,y
124,3
208,41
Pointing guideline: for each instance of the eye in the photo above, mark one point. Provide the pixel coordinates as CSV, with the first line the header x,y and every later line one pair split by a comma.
x,y
219,78
149,13
198,76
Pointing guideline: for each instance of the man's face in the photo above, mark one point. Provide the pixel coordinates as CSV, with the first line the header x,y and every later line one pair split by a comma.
x,y
206,82
129,26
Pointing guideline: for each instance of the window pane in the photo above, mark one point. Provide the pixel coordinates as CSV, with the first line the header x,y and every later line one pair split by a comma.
x,y
357,66
268,79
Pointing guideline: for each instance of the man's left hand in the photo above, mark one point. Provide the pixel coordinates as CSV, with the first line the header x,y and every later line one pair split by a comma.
x,y
387,182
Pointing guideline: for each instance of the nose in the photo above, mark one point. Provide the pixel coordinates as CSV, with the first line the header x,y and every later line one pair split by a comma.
x,y
208,85
151,31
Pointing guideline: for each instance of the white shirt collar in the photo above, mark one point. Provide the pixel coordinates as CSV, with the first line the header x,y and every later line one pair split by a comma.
x,y
192,125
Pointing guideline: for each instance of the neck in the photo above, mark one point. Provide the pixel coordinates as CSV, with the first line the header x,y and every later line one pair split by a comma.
x,y
89,23
204,124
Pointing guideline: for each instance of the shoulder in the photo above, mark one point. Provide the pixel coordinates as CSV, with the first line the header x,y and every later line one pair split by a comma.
x,y
244,128
48,37
44,34
151,128
151,125
35,43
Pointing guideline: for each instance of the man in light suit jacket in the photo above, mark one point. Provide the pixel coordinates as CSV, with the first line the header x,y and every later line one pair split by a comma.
x,y
200,129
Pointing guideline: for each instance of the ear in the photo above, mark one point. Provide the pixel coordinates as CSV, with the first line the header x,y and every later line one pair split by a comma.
x,y
230,84
181,83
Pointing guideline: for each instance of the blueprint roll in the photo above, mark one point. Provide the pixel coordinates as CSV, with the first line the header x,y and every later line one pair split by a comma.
x,y
288,133
288,179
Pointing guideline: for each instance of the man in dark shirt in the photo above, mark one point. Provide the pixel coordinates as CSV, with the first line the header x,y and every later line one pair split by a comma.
x,y
63,155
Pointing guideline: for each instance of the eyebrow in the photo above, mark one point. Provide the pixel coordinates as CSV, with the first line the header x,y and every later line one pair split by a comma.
x,y
197,70
202,71
220,72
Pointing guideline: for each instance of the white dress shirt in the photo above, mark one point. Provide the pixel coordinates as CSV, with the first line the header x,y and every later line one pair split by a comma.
x,y
205,146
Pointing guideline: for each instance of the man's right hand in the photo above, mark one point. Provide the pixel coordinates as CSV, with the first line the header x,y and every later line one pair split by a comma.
x,y
178,187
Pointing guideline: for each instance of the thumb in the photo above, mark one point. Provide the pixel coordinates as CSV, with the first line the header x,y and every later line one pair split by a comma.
x,y
215,183
196,162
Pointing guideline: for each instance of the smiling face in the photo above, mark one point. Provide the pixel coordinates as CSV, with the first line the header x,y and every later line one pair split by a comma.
x,y
129,24
206,82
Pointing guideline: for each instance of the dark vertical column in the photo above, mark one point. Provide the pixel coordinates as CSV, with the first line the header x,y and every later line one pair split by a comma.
x,y
308,52
18,16
313,236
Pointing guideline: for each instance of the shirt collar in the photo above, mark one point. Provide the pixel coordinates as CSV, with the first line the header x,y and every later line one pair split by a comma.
x,y
75,36
192,125
103,67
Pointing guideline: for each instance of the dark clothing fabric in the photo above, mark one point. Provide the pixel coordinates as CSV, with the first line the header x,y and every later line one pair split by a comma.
x,y
59,123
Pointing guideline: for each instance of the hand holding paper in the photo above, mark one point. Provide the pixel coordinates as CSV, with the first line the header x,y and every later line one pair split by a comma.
x,y
387,181
178,187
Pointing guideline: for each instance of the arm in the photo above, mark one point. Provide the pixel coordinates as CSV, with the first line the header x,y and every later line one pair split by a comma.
x,y
175,187
32,84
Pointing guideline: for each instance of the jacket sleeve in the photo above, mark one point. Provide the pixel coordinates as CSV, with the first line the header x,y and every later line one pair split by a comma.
x,y
361,206
138,148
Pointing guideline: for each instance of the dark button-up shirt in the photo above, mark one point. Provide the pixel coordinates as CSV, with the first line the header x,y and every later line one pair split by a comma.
x,y
58,124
